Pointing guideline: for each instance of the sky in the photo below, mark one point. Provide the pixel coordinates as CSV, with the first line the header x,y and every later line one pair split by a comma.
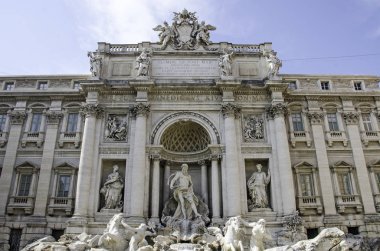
x,y
310,36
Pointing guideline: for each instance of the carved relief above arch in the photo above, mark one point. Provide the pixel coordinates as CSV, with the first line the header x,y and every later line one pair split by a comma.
x,y
169,120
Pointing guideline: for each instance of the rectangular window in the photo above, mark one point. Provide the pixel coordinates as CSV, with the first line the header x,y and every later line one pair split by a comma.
x,y
63,185
36,122
333,122
358,86
9,86
292,85
72,121
297,122
345,184
307,185
24,186
325,85
43,85
377,175
367,122
15,239
3,119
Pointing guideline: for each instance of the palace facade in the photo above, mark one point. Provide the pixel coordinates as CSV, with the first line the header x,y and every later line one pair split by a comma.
x,y
221,108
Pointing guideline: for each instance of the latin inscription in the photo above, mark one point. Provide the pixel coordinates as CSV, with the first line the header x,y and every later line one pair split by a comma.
x,y
185,68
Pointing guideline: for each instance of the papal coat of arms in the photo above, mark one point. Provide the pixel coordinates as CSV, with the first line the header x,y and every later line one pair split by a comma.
x,y
185,33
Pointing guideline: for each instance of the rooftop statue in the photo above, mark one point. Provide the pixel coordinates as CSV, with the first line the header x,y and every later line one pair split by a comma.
x,y
143,63
95,63
185,33
274,64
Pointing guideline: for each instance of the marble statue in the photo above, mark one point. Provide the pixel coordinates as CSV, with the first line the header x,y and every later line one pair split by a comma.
x,y
112,190
257,188
95,63
143,63
258,236
115,129
114,237
182,187
203,34
274,64
225,64
166,34
233,235
184,212
185,33
138,241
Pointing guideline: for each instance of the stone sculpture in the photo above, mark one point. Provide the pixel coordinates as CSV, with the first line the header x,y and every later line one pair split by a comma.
x,y
225,64
274,64
185,33
258,236
112,190
257,188
143,63
233,235
253,129
115,129
95,63
184,211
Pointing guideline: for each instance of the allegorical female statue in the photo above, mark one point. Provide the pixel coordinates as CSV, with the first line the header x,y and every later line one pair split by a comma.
x,y
257,188
112,190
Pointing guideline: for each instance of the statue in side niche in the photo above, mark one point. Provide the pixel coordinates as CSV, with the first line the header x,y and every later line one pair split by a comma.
x,y
143,63
112,189
257,184
95,63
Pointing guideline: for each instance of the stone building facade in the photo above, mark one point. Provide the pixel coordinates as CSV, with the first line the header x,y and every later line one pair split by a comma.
x,y
221,108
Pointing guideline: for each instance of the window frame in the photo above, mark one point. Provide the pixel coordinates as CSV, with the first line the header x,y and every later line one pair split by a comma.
x,y
325,85
9,83
334,123
296,124
42,83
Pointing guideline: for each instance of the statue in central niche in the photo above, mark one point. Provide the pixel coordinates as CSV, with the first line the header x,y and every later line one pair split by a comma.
x,y
184,212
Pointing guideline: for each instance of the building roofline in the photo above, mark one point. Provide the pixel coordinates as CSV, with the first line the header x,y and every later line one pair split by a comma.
x,y
47,76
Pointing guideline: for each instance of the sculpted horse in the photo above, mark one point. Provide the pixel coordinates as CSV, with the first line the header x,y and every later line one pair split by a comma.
x,y
115,236
232,240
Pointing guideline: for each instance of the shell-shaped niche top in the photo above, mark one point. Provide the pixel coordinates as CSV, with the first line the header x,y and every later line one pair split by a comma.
x,y
185,137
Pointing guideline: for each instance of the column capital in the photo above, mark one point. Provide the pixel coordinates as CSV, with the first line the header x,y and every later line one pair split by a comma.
x,y
140,109
351,118
277,110
202,162
316,117
230,109
17,117
53,117
88,110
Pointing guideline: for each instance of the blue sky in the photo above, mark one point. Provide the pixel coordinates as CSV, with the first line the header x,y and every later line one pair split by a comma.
x,y
53,37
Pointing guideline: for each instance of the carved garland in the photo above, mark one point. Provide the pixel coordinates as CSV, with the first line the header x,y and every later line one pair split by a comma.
x,y
192,114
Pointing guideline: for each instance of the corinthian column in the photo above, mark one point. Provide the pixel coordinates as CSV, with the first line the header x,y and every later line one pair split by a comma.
x,y
86,162
155,202
352,121
277,111
138,172
232,177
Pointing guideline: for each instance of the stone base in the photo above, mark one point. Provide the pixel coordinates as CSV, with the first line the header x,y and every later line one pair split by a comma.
x,y
227,78
261,213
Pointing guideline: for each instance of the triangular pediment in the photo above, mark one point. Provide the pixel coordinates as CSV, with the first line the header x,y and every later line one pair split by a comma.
x,y
342,164
65,165
303,164
26,164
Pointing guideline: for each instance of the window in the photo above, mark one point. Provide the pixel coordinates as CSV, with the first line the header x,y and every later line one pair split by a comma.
x,y
345,184
325,85
292,85
36,122
358,86
297,122
367,122
14,239
72,121
333,121
3,119
24,185
42,85
9,86
307,186
76,85
63,186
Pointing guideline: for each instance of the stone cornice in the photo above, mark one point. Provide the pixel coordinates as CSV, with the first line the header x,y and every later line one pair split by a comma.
x,y
230,109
